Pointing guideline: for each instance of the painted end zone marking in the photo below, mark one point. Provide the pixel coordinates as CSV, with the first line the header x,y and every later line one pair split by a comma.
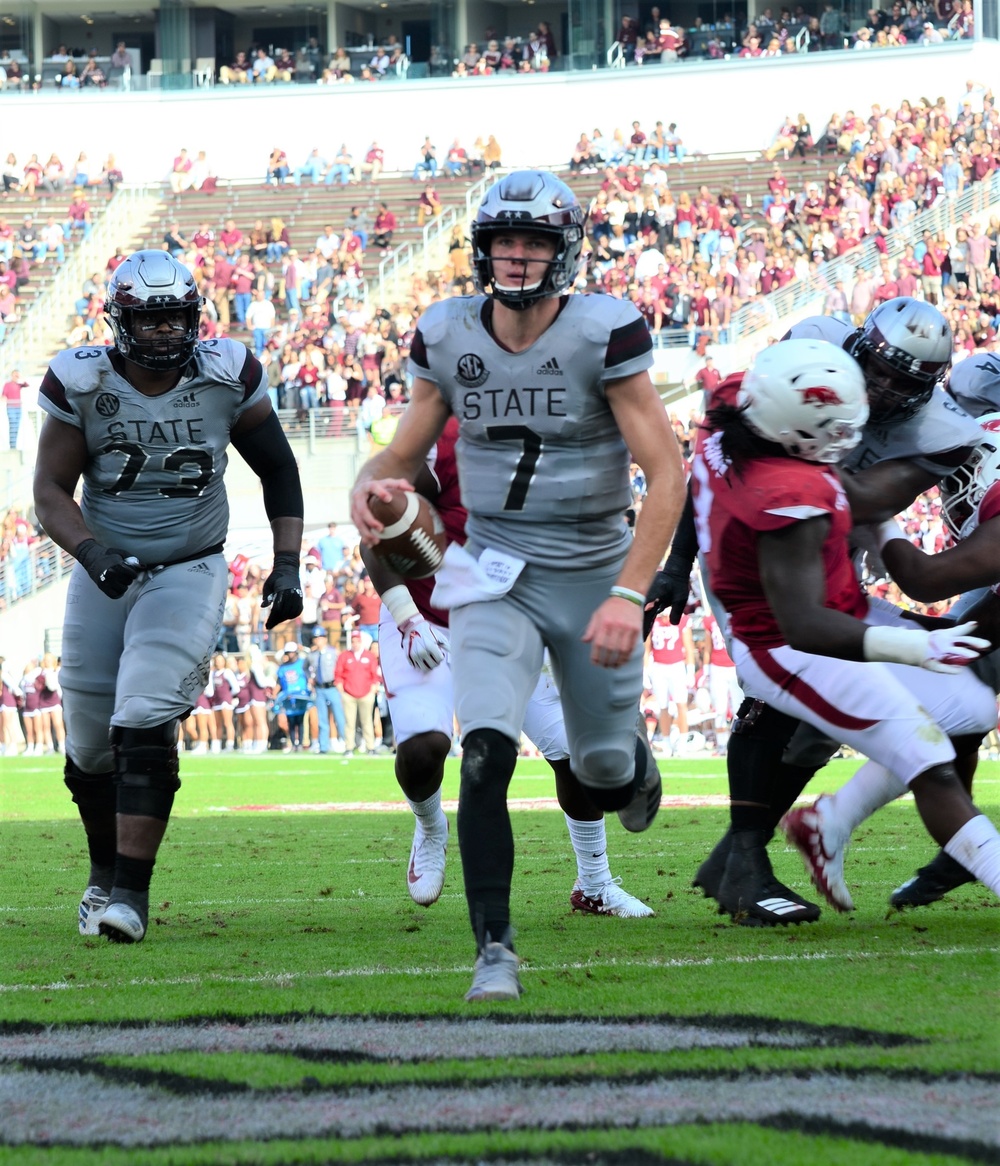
x,y
691,801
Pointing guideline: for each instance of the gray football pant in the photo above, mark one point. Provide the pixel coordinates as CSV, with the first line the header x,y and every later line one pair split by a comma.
x,y
141,660
496,658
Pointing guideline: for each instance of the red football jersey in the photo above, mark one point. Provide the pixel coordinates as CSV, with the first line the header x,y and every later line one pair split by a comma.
x,y
731,511
453,514
666,641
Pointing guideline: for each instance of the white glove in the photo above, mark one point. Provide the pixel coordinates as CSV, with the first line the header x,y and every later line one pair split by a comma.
x,y
423,646
945,650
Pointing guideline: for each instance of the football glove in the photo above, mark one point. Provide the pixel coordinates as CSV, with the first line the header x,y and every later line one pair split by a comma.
x,y
670,588
282,589
111,569
946,650
423,646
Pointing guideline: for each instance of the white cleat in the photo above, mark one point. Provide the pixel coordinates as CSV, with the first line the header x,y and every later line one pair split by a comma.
x,y
425,874
609,900
122,924
822,847
495,977
92,908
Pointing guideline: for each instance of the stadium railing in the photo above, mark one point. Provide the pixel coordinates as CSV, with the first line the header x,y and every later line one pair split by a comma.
x,y
944,215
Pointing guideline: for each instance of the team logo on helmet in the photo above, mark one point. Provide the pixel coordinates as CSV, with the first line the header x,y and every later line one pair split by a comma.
x,y
820,395
470,371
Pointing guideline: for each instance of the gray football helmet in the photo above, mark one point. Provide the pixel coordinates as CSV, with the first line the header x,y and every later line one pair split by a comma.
x,y
153,281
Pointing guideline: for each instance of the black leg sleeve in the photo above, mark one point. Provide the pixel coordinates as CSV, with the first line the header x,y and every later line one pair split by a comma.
x,y
485,838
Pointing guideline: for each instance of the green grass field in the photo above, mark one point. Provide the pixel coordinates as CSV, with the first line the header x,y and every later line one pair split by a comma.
x,y
290,1003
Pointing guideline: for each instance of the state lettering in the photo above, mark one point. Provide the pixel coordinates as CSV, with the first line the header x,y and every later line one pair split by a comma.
x,y
514,403
165,431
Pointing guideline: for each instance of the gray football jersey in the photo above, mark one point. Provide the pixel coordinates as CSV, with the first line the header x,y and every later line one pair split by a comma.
x,y
153,483
544,470
975,383
928,438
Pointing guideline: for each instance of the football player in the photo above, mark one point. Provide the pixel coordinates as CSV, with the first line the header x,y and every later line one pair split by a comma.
x,y
552,393
413,643
804,633
146,424
971,507
915,435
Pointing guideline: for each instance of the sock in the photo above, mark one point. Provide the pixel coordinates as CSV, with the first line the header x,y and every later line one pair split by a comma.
x,y
871,788
133,874
977,847
590,844
429,814
787,783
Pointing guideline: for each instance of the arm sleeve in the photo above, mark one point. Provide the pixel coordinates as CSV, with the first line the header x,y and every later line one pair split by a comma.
x,y
266,451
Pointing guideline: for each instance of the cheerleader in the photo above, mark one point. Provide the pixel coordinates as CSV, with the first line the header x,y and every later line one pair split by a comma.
x,y
50,712
224,688
32,722
251,704
11,736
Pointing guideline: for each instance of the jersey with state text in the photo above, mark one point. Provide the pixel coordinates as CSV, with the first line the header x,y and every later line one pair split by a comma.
x,y
975,383
937,437
733,510
448,504
667,641
543,467
153,483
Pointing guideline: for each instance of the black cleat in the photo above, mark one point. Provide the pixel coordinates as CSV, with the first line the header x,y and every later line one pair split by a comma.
x,y
750,891
710,872
931,882
638,815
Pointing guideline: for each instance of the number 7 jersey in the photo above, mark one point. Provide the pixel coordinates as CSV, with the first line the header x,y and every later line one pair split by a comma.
x,y
543,467
153,483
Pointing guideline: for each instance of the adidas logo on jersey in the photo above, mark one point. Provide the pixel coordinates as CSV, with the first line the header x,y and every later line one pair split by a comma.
x,y
201,568
187,401
549,369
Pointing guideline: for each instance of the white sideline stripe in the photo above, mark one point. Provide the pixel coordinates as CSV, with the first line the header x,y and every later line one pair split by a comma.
x,y
690,801
529,966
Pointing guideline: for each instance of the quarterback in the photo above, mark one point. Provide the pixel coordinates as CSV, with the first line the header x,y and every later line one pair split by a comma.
x,y
146,424
552,394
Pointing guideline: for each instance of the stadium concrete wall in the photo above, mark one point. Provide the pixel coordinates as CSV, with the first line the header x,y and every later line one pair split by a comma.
x,y
719,108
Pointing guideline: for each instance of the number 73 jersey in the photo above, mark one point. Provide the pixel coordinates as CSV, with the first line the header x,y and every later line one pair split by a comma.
x,y
544,470
153,483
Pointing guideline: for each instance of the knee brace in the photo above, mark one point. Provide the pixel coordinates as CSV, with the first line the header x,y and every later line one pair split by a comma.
x,y
94,793
598,766
146,769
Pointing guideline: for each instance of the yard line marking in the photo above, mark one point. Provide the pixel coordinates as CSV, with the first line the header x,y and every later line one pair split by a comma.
x,y
527,966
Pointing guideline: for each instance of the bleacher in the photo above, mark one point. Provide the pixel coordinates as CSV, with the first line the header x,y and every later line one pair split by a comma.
x,y
741,174
16,206
305,209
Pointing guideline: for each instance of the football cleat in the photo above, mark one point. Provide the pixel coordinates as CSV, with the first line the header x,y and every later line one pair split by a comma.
x,y
92,908
425,874
495,976
709,874
931,882
638,815
609,900
822,848
122,924
751,893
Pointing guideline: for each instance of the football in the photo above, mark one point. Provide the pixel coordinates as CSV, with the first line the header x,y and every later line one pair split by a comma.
x,y
414,539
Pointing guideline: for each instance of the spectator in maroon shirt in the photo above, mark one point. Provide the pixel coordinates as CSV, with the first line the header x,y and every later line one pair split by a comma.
x,y
708,378
383,227
231,237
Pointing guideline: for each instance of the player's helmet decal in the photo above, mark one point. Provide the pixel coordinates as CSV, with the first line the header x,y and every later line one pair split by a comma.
x,y
807,396
538,202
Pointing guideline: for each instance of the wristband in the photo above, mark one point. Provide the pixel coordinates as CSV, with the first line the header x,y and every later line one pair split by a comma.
x,y
635,597
400,604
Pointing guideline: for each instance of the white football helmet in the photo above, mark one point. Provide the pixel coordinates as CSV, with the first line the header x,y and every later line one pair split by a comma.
x,y
904,348
808,396
962,491
975,383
